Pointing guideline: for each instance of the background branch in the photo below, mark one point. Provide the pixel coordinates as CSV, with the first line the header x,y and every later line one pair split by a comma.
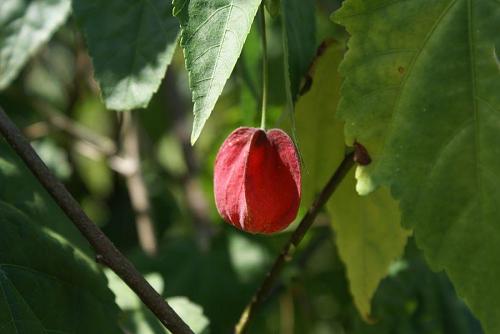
x,y
195,198
103,247
296,237
136,186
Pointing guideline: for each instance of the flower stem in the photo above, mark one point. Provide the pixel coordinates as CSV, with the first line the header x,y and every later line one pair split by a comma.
x,y
265,68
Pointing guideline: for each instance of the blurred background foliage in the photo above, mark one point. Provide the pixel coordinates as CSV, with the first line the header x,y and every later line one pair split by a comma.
x,y
56,102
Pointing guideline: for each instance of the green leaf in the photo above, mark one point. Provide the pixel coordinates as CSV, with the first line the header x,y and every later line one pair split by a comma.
x,y
191,313
47,286
320,137
369,238
299,36
139,320
367,228
142,321
421,93
131,44
125,297
22,190
25,25
213,34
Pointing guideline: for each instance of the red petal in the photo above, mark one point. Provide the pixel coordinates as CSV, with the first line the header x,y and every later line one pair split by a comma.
x,y
257,180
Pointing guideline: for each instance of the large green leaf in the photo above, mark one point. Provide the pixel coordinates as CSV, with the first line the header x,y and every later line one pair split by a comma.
x,y
131,43
213,34
299,36
24,26
367,228
47,286
19,188
369,238
421,93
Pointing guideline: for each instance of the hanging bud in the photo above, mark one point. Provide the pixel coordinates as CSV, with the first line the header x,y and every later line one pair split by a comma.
x,y
257,180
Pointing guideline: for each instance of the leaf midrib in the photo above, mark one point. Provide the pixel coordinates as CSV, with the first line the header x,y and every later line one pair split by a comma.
x,y
5,296
46,330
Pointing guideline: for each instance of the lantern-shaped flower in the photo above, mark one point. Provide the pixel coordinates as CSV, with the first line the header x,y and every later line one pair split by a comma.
x,y
257,180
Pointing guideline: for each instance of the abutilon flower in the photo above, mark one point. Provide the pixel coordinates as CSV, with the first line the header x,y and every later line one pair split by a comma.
x,y
257,180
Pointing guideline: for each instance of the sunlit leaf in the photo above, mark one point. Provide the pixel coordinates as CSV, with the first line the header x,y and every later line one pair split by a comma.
x,y
25,25
319,133
367,230
369,238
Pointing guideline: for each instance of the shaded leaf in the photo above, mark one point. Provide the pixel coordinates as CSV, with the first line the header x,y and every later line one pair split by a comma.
x,y
421,93
36,295
22,190
131,44
213,34
299,36
24,26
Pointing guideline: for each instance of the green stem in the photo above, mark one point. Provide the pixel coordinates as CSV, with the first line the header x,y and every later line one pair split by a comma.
x,y
265,68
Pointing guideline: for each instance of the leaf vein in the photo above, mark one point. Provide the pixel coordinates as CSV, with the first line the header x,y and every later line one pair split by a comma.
x,y
409,72
477,148
2,273
207,20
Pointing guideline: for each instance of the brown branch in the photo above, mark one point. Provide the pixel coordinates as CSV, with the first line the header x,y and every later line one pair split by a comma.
x,y
296,237
103,247
136,186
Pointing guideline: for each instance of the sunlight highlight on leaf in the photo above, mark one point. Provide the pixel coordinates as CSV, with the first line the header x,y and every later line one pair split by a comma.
x,y
213,34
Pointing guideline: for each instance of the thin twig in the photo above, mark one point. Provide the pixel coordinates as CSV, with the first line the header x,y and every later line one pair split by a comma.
x,y
296,237
195,199
101,143
136,186
87,142
103,247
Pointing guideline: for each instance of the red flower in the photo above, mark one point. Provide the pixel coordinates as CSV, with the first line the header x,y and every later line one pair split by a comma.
x,y
257,180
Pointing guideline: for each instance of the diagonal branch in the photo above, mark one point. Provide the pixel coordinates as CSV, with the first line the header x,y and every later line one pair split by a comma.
x,y
296,237
104,248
